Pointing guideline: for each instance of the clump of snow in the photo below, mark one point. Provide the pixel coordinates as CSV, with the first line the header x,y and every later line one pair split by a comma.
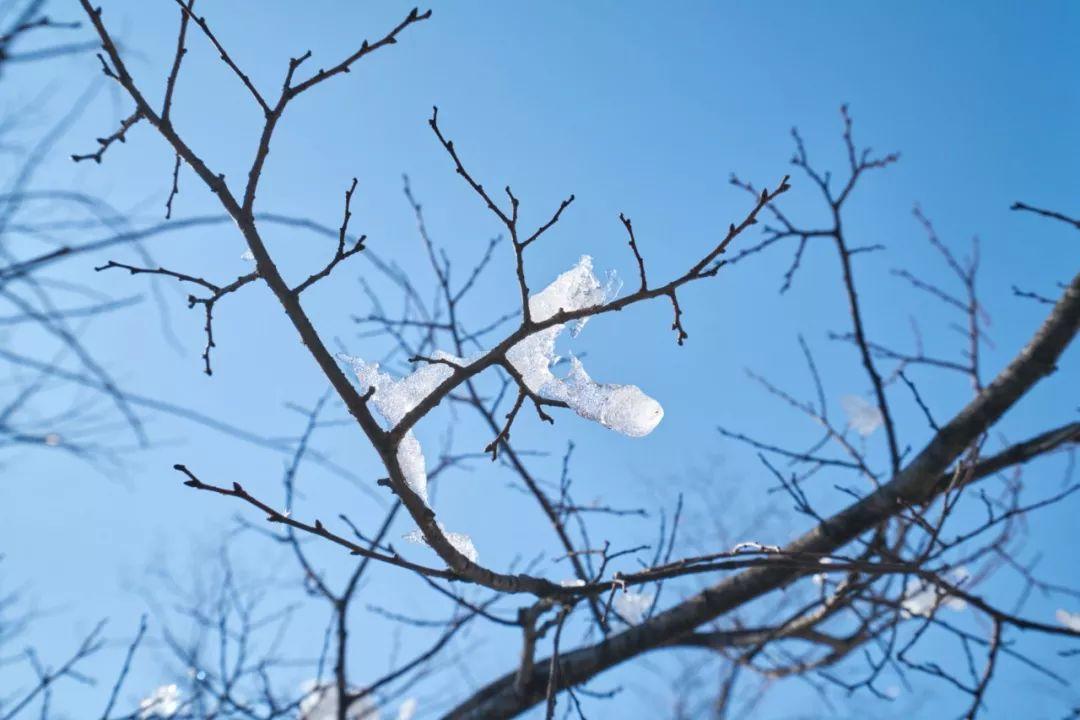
x,y
572,583
575,289
320,702
632,606
864,417
460,541
753,546
395,397
623,408
248,255
164,702
407,709
1071,620
819,578
922,598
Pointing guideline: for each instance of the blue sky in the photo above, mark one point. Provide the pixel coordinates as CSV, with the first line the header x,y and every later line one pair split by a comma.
x,y
634,107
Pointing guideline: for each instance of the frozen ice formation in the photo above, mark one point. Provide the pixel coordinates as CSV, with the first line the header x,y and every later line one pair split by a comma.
x,y
407,709
164,702
320,702
632,606
622,408
922,598
1070,620
460,541
863,416
394,398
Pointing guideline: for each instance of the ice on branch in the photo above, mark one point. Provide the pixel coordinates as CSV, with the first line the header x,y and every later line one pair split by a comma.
x,y
394,398
1070,620
460,541
407,709
864,417
922,598
248,255
632,606
623,408
821,577
320,702
164,702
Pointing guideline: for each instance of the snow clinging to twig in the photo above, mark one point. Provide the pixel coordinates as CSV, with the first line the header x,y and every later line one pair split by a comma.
x,y
864,417
623,408
922,598
394,398
1070,620
460,541
164,702
407,709
632,606
320,702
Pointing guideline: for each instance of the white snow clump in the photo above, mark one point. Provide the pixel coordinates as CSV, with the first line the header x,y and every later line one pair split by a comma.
x,y
632,606
407,709
394,398
622,408
164,702
320,703
1070,620
922,598
864,417
460,541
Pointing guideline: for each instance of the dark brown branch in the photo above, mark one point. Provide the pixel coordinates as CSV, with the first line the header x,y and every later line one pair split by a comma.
x,y
637,255
316,528
342,253
201,22
1054,215
174,73
105,142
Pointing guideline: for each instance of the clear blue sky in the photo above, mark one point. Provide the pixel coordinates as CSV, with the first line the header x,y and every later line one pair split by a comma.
x,y
635,107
